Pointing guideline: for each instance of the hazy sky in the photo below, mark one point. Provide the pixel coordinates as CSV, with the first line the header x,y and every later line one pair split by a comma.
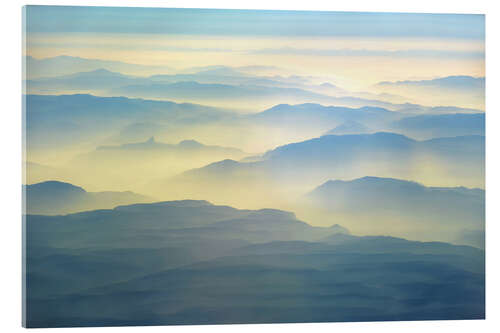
x,y
355,49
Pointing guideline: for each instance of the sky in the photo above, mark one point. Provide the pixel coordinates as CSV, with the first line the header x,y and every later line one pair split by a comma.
x,y
354,49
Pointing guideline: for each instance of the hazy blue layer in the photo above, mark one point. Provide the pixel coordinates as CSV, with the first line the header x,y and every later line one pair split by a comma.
x,y
251,22
189,262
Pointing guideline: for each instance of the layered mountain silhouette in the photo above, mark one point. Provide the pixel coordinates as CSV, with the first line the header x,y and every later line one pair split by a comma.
x,y
324,116
237,95
97,80
451,82
390,180
226,87
318,110
193,262
349,156
55,197
349,127
283,175
446,125
55,121
353,146
118,119
191,146
211,87
183,221
439,212
391,192
37,68
411,120
460,90
138,162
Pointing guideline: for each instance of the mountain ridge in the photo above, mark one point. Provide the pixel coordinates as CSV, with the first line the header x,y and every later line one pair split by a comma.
x,y
57,197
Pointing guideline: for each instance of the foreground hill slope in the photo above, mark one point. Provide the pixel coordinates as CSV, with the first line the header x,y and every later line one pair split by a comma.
x,y
190,262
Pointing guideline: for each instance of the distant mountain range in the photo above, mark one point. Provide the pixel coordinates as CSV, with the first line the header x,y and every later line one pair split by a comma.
x,y
332,155
391,181
434,126
451,82
293,115
338,120
461,90
120,120
99,119
227,88
392,192
192,262
92,118
349,127
97,80
67,65
134,164
54,197
184,146
333,150
440,212
230,88
175,223
282,175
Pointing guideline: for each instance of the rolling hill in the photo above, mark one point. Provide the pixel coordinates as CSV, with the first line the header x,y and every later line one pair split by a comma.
x,y
444,213
351,156
55,197
170,263
446,125
460,90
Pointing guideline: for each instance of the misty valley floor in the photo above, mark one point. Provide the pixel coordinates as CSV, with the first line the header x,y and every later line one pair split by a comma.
x,y
191,262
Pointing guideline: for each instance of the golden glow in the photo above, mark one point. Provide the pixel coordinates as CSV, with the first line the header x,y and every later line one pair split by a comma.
x,y
353,64
353,72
